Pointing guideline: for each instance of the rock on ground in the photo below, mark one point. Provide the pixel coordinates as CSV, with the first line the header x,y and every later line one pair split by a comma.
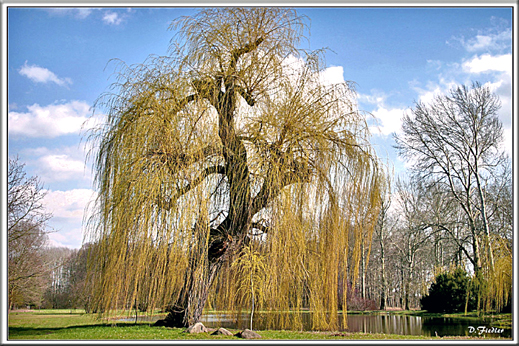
x,y
222,331
196,328
248,334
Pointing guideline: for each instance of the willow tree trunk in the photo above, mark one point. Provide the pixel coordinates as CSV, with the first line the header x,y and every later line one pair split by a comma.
x,y
188,308
204,265
205,262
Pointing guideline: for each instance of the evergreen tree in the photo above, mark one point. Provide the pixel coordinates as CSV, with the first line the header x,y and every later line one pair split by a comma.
x,y
449,293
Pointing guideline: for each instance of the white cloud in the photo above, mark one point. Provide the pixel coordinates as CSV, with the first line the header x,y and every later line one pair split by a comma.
x,y
478,43
69,204
80,13
488,63
507,144
42,75
68,210
428,96
496,38
498,41
503,89
72,238
62,167
83,12
433,89
376,98
108,17
50,121
486,41
390,120
112,18
332,75
60,164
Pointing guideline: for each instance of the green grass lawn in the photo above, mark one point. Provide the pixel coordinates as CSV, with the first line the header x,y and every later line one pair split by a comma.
x,y
76,325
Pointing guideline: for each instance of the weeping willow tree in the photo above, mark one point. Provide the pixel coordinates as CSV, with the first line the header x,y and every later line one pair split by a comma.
x,y
495,284
253,271
234,137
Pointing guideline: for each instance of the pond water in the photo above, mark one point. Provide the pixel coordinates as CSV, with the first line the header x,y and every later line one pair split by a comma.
x,y
384,323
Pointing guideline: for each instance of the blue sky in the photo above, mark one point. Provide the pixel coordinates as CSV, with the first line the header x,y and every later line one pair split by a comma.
x,y
57,67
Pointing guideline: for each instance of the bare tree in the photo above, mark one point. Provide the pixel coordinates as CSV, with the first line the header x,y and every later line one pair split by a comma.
x,y
499,199
454,143
385,227
57,294
414,234
67,278
26,235
233,136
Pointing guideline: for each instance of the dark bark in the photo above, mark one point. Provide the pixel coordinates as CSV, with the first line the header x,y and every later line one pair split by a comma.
x,y
228,236
383,289
188,309
205,263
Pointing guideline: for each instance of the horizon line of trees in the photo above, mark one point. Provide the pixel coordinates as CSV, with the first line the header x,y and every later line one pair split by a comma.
x,y
420,233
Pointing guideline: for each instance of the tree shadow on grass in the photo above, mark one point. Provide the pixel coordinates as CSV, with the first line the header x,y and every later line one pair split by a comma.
x,y
57,313
21,332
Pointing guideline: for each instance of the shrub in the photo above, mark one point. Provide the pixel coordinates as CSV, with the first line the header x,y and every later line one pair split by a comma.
x,y
449,293
355,302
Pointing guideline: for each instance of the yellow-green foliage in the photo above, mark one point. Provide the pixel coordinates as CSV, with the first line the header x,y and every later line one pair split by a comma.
x,y
498,280
237,123
251,274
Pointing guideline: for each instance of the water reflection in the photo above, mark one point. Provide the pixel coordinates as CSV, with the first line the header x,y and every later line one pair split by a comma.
x,y
384,323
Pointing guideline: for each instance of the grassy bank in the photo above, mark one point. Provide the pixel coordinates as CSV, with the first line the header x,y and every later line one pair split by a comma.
x,y
76,325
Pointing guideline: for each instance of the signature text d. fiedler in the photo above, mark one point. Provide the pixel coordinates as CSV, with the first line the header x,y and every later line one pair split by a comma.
x,y
485,330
